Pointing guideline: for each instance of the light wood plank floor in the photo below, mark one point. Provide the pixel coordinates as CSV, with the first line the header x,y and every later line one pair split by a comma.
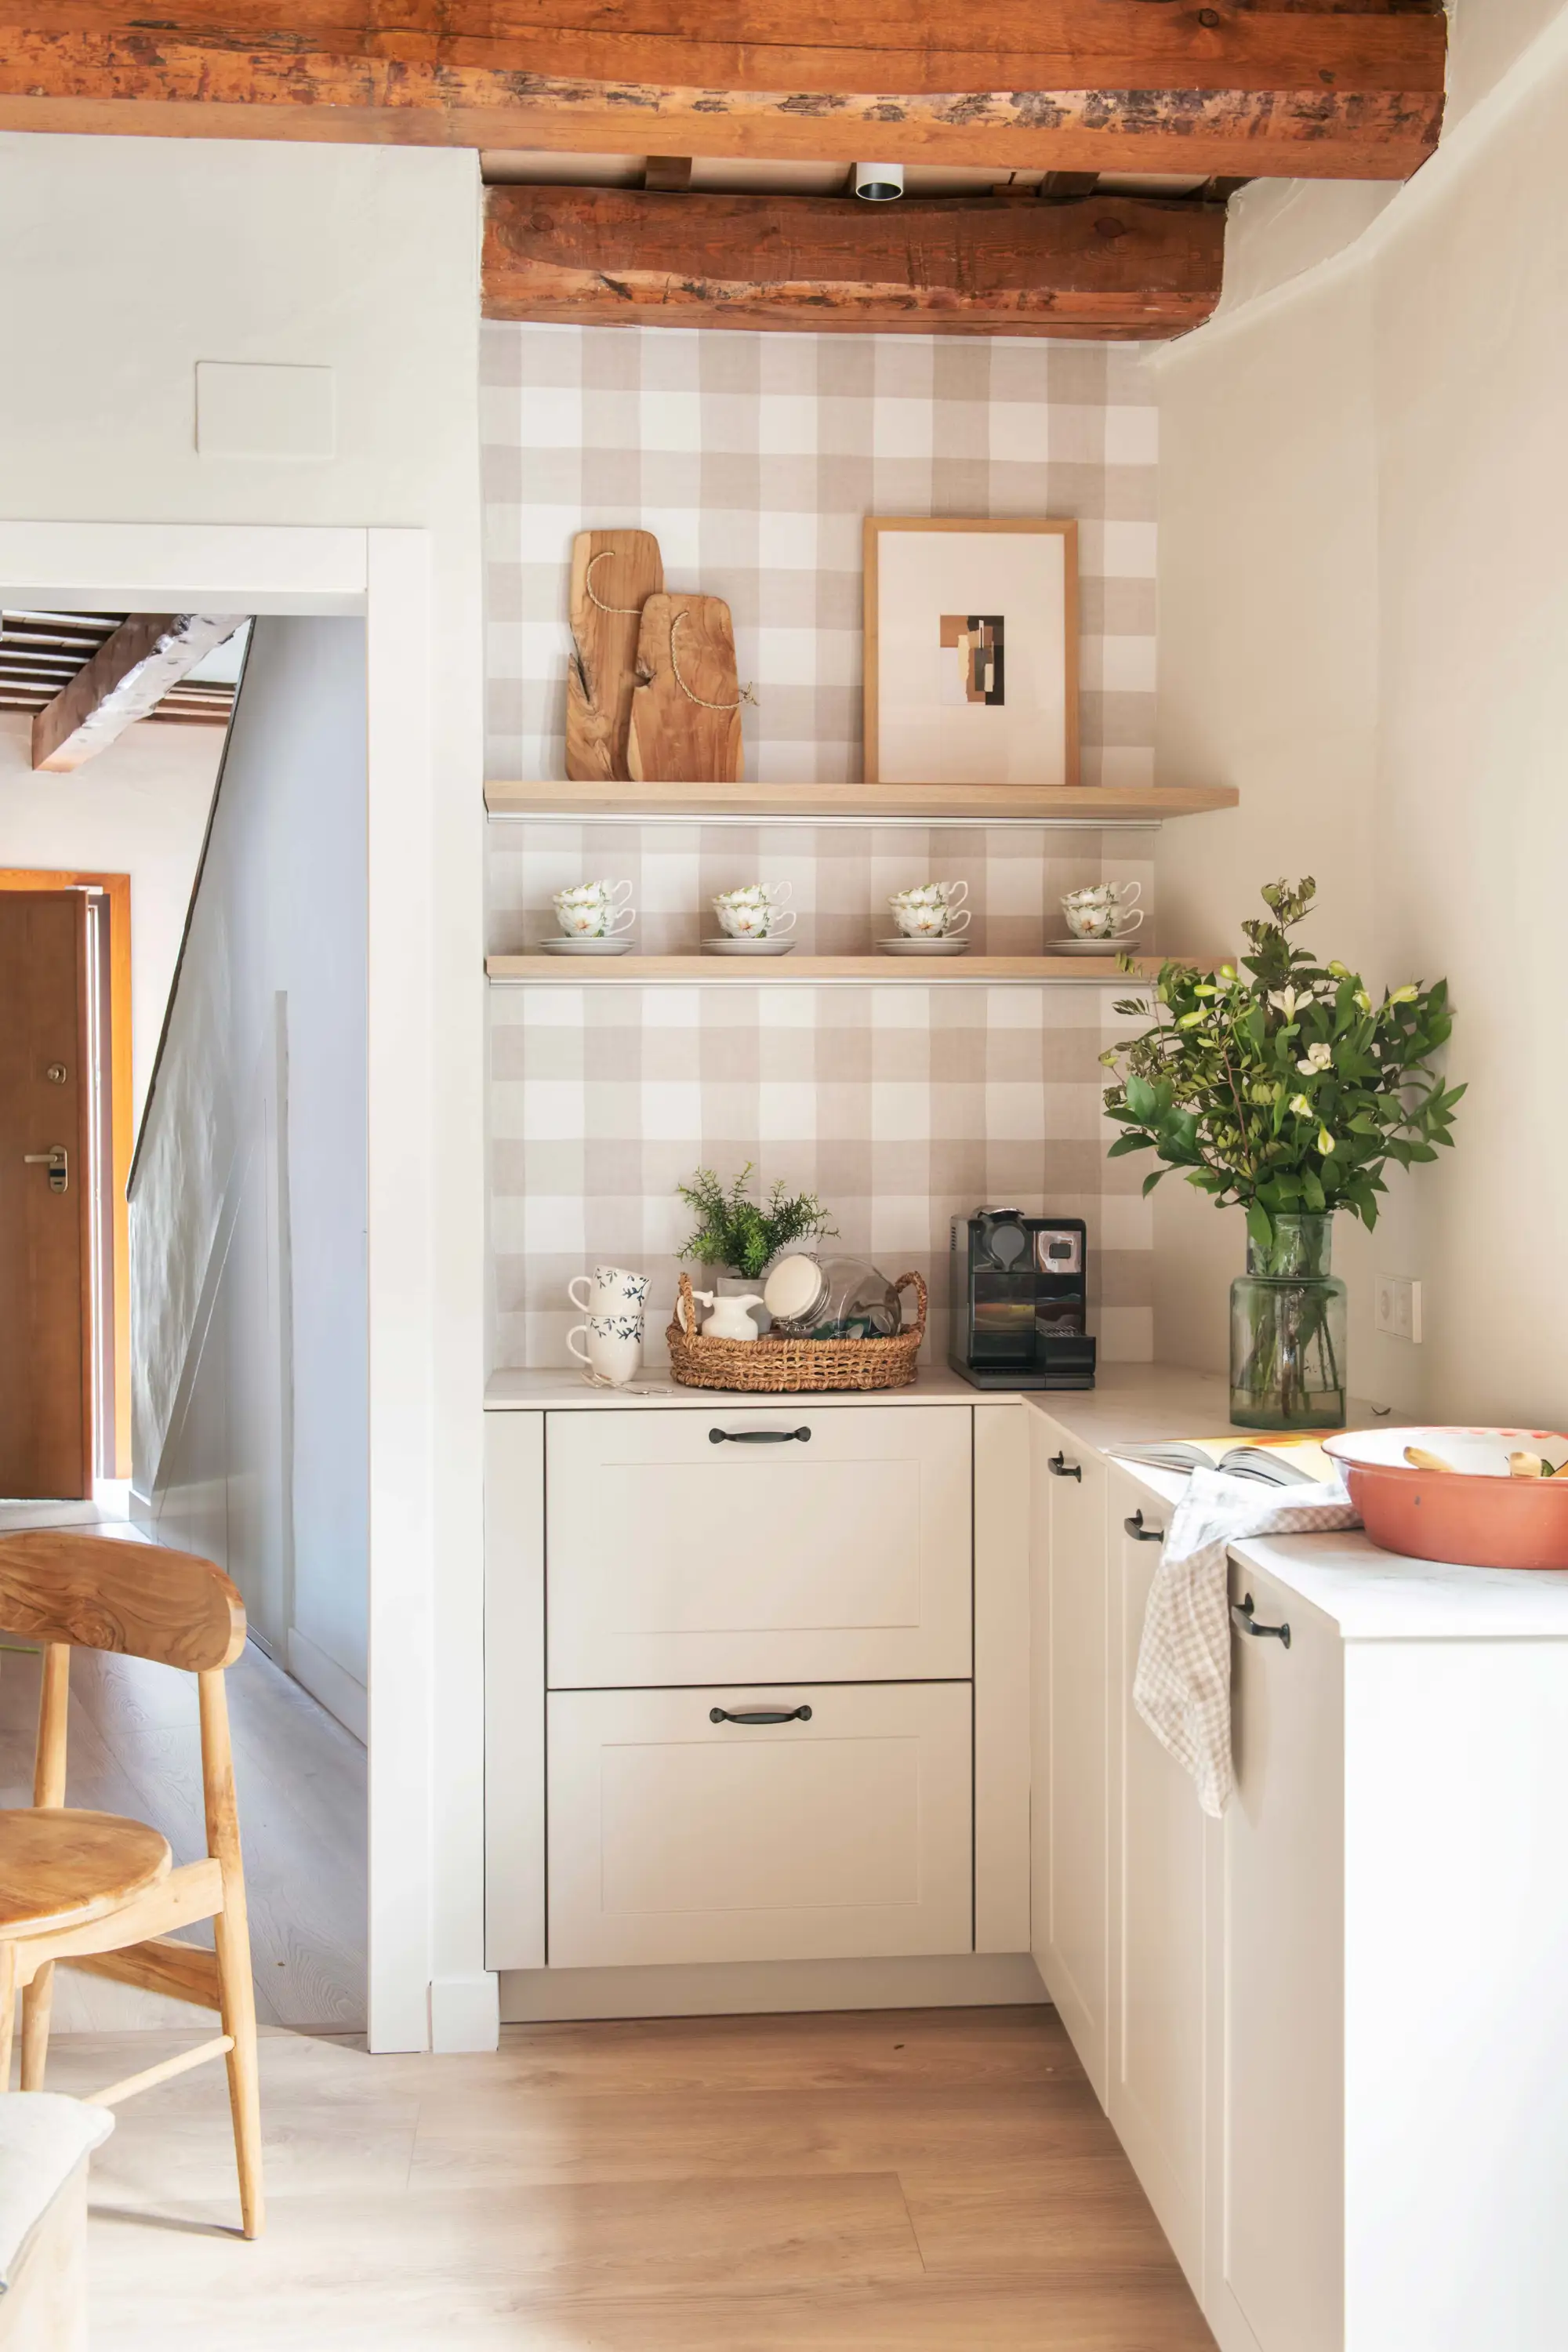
x,y
134,1749
914,2181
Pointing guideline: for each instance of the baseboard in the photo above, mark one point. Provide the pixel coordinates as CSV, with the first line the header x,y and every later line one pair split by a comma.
x,y
463,2013
764,1987
329,1684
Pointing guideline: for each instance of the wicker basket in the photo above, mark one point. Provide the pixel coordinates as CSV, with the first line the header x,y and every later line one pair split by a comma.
x,y
769,1365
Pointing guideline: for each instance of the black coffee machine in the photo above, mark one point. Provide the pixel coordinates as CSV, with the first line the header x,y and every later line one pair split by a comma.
x,y
1019,1293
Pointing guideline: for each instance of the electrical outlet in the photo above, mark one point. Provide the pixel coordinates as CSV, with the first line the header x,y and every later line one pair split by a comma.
x,y
1397,1310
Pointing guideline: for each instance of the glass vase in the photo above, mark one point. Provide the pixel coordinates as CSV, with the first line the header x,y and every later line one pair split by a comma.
x,y
1288,1331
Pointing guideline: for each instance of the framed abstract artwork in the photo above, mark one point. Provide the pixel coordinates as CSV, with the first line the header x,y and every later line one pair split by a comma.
x,y
971,651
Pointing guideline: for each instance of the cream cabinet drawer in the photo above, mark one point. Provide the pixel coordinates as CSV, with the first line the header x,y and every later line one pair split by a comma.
x,y
843,1834
720,1545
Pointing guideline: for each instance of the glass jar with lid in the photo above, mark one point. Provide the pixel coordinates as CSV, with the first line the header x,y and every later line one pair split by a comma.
x,y
811,1298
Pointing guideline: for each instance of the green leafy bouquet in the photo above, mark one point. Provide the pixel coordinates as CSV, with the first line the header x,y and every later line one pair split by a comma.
x,y
1287,1090
736,1233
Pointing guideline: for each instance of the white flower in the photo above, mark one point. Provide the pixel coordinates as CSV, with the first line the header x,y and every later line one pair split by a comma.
x,y
1284,1000
1316,1058
1301,1106
1325,1142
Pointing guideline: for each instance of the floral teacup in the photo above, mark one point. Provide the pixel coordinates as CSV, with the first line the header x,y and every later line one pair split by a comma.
x,y
1105,911
593,911
613,1292
931,911
756,912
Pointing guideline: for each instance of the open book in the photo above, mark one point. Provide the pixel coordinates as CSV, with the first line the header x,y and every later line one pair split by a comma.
x,y
1285,1462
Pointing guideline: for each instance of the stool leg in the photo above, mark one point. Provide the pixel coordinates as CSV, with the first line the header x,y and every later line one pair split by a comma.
x,y
7,2008
231,1934
37,2000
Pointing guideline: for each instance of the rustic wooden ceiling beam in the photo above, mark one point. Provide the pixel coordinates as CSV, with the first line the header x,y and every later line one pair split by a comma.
x,y
126,679
1324,90
1117,267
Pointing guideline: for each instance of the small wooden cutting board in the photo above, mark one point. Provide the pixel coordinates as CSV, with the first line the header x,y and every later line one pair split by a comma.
x,y
602,675
685,718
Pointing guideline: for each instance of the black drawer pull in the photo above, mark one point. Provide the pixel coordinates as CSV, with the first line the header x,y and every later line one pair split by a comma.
x,y
759,1437
1139,1533
1061,1467
761,1714
1243,1618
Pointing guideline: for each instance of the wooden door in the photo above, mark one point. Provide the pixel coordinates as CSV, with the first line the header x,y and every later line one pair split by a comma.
x,y
46,1319
1070,1827
1159,1847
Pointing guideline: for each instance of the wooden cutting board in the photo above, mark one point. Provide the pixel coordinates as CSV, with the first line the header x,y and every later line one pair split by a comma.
x,y
685,717
627,569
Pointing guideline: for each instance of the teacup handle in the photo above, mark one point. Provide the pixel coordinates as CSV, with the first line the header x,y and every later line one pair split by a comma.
x,y
572,1348
621,920
1125,930
959,925
784,922
953,894
1129,893
617,894
581,1303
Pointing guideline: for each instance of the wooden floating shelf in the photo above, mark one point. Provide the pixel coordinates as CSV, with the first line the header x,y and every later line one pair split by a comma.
x,y
889,804
870,969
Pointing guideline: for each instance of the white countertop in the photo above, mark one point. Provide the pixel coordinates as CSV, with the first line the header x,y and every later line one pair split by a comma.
x,y
1370,1594
568,1391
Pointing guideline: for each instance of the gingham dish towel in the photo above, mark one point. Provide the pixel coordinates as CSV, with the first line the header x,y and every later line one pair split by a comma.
x,y
1181,1687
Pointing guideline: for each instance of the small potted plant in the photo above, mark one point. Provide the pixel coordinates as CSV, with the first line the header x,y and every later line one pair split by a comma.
x,y
1283,1087
739,1237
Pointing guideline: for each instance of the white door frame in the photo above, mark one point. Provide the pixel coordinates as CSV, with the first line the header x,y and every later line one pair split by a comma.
x,y
416,1421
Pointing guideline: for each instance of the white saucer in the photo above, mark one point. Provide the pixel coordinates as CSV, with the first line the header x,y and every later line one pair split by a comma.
x,y
586,947
724,946
1091,947
929,946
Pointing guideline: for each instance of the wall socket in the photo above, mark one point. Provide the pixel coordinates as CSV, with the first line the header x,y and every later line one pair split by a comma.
x,y
1398,1309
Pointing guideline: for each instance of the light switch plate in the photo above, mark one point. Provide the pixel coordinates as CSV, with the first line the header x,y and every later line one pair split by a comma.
x,y
1397,1312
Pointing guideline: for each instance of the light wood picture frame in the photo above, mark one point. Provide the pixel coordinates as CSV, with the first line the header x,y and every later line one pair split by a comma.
x,y
971,650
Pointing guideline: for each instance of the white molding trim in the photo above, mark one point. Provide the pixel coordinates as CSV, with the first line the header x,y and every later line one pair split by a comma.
x,y
1459,151
383,574
465,2014
761,1988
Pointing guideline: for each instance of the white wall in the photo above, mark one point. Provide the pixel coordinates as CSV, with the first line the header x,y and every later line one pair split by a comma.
x,y
247,1211
139,808
1363,610
131,261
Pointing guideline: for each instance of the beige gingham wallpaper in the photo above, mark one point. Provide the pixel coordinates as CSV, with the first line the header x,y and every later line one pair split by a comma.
x,y
753,458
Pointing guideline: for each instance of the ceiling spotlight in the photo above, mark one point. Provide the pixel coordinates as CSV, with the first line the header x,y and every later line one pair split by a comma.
x,y
879,183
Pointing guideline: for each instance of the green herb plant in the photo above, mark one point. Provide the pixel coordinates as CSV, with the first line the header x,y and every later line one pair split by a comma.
x,y
736,1233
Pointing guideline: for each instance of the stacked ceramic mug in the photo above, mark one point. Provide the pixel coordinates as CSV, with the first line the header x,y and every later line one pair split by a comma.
x,y
594,918
612,1302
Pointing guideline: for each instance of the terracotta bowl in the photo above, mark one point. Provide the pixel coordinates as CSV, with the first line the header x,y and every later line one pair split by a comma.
x,y
1475,1515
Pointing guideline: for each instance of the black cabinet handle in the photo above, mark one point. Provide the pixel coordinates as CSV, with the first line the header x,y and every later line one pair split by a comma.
x,y
759,1437
1243,1617
1061,1467
1139,1533
761,1714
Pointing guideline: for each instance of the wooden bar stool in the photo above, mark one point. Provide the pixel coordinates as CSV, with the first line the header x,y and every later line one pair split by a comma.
x,y
98,1892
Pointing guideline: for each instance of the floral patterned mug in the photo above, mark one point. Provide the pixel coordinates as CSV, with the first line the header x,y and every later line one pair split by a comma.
x,y
613,1291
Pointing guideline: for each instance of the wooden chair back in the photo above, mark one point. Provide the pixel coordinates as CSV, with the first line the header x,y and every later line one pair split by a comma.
x,y
94,1592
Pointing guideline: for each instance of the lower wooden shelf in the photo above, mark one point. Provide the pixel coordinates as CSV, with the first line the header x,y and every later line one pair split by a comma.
x,y
879,970
1111,804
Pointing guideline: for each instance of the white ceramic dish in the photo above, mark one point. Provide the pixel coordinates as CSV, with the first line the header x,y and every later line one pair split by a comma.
x,y
769,947
1086,946
586,947
946,945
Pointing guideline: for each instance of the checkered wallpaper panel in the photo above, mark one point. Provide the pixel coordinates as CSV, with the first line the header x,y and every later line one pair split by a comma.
x,y
753,458
901,1105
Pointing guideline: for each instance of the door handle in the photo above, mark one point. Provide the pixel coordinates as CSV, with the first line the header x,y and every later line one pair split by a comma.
x,y
1061,1467
1139,1533
761,1714
1243,1617
759,1437
57,1160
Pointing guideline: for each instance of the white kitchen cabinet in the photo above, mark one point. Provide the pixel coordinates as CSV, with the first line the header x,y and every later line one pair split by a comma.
x,y
1157,1853
1070,1831
831,1822
773,1543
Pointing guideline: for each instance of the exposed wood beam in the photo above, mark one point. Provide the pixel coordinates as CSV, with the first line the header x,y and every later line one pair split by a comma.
x,y
1304,89
1118,267
131,672
668,175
